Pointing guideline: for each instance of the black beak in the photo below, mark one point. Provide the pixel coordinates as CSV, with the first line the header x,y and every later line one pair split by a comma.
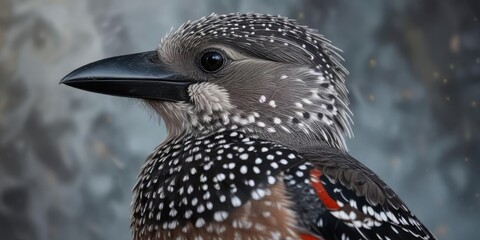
x,y
139,75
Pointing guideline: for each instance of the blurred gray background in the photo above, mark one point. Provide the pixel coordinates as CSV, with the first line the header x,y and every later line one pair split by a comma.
x,y
69,159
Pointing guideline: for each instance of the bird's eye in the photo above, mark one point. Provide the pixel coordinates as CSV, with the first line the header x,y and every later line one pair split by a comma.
x,y
211,61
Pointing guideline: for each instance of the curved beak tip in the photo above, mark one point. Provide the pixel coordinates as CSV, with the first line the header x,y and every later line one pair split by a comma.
x,y
79,74
64,79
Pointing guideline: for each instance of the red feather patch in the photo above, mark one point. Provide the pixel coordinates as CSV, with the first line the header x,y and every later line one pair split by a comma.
x,y
316,182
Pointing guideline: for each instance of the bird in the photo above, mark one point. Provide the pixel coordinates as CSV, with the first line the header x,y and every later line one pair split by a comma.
x,y
257,113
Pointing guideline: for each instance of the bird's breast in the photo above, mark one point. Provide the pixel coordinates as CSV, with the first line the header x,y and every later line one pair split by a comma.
x,y
224,185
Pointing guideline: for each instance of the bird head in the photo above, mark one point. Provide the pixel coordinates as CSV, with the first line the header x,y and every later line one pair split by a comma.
x,y
265,74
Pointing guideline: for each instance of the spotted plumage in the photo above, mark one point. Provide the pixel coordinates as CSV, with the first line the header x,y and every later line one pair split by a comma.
x,y
204,178
256,110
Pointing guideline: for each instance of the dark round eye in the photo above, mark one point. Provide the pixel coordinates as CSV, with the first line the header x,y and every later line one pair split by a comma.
x,y
211,61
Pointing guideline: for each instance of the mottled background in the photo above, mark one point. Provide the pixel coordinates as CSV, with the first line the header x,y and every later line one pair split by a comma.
x,y
68,159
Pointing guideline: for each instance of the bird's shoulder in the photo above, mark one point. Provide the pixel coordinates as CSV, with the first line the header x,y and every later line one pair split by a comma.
x,y
355,201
